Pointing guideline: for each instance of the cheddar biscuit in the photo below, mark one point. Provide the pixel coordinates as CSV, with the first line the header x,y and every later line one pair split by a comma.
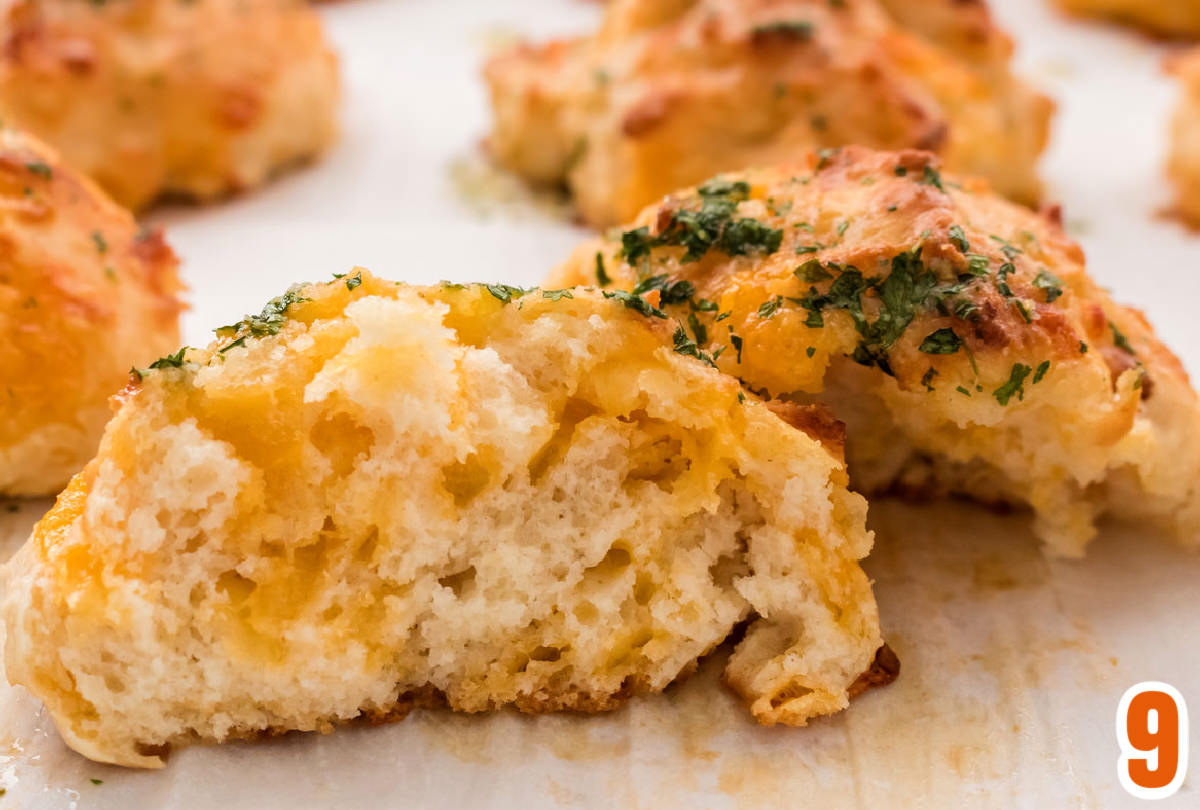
x,y
371,494
957,335
667,93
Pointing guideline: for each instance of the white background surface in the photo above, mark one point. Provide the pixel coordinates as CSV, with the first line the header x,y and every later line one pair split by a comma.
x,y
1013,665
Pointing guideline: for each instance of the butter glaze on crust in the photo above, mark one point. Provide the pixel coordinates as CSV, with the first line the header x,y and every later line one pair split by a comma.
x,y
84,294
371,495
161,97
956,334
1167,18
667,93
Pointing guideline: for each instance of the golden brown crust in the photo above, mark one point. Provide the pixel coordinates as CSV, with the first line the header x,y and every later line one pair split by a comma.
x,y
1183,167
897,294
884,670
153,97
1164,18
666,94
84,294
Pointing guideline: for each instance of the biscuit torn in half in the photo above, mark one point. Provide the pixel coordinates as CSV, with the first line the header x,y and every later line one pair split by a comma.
x,y
372,493
957,335
669,92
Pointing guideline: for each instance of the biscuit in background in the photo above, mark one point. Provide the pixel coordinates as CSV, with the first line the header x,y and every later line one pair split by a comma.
x,y
84,294
372,495
1169,18
958,335
193,99
667,93
1183,163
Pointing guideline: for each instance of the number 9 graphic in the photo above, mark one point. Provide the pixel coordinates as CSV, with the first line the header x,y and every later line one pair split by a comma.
x,y
1152,730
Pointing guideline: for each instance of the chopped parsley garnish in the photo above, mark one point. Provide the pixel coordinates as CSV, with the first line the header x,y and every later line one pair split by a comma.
x,y
1009,250
959,239
355,281
601,275
269,321
927,378
978,265
41,169
712,227
802,29
100,242
842,227
698,329
1083,347
808,248
1042,368
557,295
669,292
1015,387
1002,279
810,351
1120,341
812,272
704,305
901,171
824,156
169,361
636,303
943,341
685,345
962,391
736,341
931,177
504,292
96,781
1052,284
768,308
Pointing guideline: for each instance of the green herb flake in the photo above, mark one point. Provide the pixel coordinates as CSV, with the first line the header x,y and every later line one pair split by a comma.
x,y
505,293
96,781
602,277
636,303
943,341
927,378
812,272
171,360
810,351
557,295
963,391
1083,347
736,340
1015,385
40,169
768,308
698,329
1050,283
1041,371
801,29
959,239
355,282
100,242
978,265
1120,341
270,320
686,346
931,177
